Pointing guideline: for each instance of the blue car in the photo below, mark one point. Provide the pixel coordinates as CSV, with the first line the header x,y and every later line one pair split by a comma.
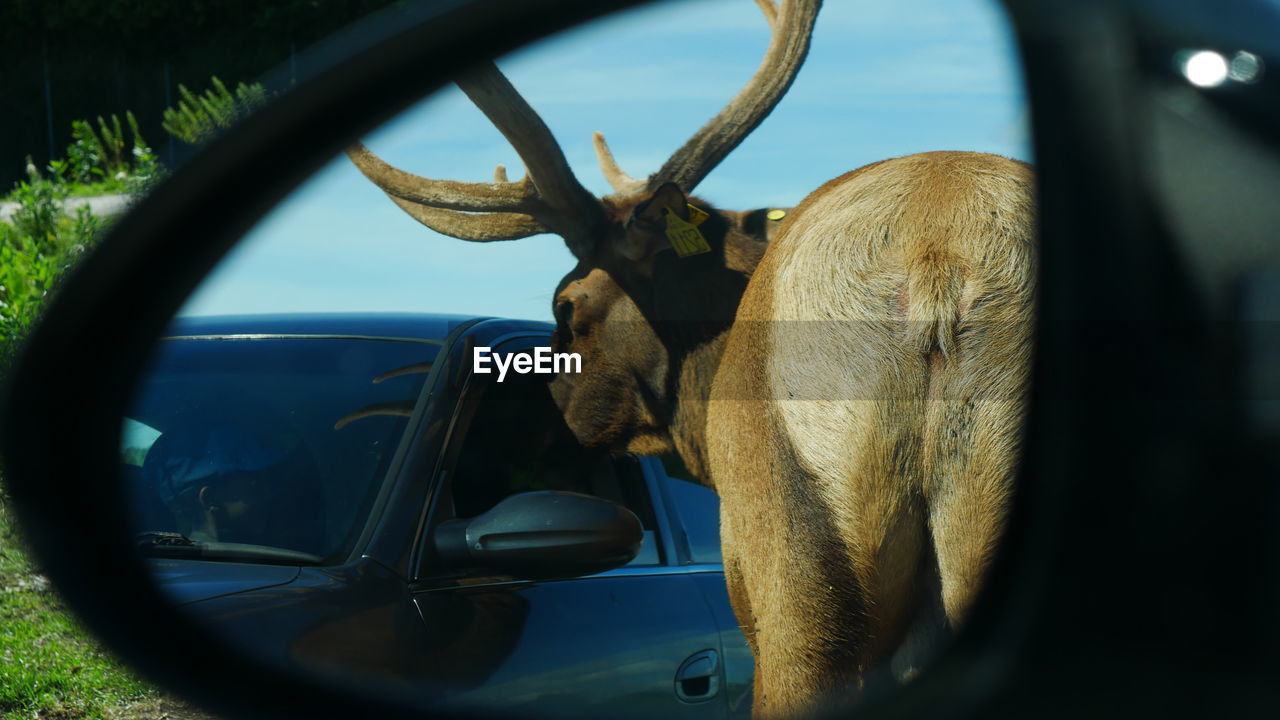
x,y
345,494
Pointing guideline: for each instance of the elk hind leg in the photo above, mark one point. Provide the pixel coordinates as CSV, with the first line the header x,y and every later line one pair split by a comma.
x,y
848,597
810,618
739,599
884,528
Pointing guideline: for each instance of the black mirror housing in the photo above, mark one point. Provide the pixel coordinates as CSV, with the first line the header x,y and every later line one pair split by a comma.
x,y
542,535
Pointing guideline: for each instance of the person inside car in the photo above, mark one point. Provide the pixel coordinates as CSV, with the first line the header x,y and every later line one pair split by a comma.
x,y
226,484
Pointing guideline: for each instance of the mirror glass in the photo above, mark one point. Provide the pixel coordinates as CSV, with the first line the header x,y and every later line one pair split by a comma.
x,y
317,436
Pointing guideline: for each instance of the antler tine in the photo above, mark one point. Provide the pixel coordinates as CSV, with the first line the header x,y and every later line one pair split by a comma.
x,y
548,199
478,212
770,10
792,28
620,181
571,211
519,197
475,227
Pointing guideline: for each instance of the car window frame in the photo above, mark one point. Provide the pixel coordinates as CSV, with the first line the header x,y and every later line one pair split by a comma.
x,y
676,515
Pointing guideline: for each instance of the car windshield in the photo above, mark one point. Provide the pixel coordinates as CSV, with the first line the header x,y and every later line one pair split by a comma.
x,y
266,449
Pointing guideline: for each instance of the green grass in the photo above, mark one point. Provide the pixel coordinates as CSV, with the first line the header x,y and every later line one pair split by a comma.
x,y
111,186
49,666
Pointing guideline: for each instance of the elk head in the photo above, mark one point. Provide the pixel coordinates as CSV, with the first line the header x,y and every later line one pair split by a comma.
x,y
647,318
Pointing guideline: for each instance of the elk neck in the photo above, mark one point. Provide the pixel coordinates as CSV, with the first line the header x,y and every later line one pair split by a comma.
x,y
690,302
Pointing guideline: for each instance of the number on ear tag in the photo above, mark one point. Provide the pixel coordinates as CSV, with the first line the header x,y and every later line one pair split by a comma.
x,y
685,238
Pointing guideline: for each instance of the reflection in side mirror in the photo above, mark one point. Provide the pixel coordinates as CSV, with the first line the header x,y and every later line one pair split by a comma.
x,y
282,454
545,534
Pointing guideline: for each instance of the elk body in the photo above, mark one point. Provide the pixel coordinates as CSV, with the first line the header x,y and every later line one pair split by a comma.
x,y
872,389
853,389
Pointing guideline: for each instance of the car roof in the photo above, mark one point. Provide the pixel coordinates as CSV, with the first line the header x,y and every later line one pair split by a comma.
x,y
425,326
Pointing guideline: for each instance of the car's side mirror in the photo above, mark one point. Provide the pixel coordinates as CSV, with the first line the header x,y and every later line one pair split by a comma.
x,y
541,535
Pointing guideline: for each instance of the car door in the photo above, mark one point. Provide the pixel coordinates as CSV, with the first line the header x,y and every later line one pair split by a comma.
x,y
614,642
693,511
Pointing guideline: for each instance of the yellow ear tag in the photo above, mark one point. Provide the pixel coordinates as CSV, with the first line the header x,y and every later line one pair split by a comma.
x,y
685,238
696,215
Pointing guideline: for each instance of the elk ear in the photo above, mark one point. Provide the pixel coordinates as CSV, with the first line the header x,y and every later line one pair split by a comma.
x,y
667,197
759,224
646,227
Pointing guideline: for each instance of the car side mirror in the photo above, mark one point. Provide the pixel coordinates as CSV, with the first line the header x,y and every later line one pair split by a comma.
x,y
542,535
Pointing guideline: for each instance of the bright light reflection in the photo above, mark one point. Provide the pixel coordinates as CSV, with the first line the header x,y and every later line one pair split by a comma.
x,y
1205,69
1245,67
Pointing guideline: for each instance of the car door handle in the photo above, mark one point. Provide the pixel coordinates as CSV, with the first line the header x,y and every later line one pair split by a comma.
x,y
698,678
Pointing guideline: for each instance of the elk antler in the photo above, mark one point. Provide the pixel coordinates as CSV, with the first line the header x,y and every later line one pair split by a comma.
x,y
618,180
548,199
792,26
753,103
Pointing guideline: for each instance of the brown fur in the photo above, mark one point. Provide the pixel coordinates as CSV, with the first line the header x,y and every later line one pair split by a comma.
x,y
649,324
857,404
900,429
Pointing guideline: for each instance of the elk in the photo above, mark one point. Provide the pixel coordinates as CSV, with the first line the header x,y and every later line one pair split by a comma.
x,y
853,389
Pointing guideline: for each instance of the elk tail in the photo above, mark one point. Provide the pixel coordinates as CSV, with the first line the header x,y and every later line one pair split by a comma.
x,y
934,284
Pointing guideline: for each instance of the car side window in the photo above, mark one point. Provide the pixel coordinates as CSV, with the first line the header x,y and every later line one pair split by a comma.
x,y
279,442
698,508
517,441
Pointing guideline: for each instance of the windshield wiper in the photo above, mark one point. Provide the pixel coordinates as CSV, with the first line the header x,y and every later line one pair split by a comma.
x,y
177,545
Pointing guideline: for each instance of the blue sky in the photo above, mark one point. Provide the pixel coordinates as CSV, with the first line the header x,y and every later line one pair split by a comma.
x,y
882,79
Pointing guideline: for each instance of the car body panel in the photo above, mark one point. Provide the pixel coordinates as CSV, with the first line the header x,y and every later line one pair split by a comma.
x,y
354,622
188,581
596,646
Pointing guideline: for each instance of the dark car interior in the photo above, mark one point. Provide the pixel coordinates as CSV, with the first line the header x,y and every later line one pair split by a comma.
x,y
515,440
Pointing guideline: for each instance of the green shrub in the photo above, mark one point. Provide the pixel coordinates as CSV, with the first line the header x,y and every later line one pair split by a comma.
x,y
97,162
199,117
102,156
39,206
25,278
41,239
146,170
37,245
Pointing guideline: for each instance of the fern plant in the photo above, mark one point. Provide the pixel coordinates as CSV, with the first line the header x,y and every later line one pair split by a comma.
x,y
101,154
197,118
